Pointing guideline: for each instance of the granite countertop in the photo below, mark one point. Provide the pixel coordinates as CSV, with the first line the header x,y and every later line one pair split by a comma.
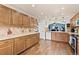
x,y
17,35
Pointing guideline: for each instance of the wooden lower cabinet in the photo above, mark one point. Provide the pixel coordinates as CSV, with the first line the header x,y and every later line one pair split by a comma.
x,y
35,38
6,47
19,45
31,40
24,42
27,42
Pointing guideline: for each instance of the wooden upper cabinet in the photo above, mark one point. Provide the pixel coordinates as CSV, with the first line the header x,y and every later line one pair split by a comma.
x,y
26,21
11,17
20,20
16,18
73,20
72,23
5,15
33,22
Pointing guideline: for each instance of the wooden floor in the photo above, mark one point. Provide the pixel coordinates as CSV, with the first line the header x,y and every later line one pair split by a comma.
x,y
46,47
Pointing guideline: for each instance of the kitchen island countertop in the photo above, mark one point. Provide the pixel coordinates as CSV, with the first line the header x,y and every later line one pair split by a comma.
x,y
66,32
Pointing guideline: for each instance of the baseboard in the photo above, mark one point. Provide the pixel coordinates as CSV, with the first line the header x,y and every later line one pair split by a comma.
x,y
60,41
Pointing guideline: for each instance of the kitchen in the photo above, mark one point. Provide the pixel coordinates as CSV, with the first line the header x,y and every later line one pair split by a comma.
x,y
37,29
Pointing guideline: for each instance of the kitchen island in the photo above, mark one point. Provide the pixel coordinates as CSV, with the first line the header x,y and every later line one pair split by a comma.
x,y
60,36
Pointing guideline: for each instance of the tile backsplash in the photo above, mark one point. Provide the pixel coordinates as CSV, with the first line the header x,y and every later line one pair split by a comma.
x,y
5,31
33,29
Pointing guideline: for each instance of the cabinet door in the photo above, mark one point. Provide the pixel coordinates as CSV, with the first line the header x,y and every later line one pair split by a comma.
x,y
6,47
35,23
27,42
37,38
73,22
34,38
19,45
20,20
26,21
32,22
5,15
16,18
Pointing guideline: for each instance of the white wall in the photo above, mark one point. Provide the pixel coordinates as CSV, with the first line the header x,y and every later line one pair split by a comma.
x,y
41,26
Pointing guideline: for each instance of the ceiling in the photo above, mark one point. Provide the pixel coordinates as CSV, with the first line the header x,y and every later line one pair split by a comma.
x,y
42,11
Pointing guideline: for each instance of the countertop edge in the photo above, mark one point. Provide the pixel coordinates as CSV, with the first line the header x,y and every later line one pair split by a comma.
x,y
17,35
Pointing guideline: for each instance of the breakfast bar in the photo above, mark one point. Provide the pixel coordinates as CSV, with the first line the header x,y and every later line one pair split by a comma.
x,y
60,36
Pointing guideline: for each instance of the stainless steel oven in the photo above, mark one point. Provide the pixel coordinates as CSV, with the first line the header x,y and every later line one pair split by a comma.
x,y
73,43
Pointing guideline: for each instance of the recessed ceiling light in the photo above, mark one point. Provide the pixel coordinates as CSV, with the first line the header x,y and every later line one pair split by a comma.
x,y
33,5
62,8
